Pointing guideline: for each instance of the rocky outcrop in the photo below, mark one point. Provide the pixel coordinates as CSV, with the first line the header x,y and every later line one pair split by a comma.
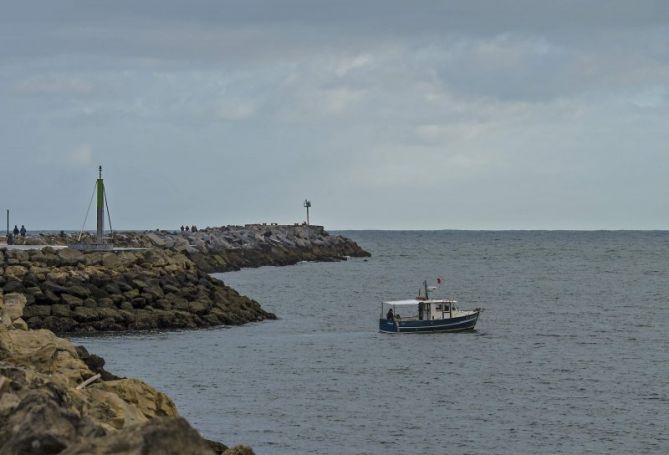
x,y
226,248
71,291
51,402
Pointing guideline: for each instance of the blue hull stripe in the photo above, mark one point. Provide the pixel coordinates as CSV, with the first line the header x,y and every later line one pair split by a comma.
x,y
442,325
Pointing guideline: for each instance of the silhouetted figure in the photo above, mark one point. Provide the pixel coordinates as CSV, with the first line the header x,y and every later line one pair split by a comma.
x,y
16,230
182,228
23,231
193,228
187,228
390,316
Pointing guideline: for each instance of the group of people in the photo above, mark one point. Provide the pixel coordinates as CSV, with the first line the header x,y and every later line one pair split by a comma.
x,y
192,228
18,231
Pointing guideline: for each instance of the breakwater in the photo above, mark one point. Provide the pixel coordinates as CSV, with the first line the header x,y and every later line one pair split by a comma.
x,y
72,291
58,398
228,248
160,280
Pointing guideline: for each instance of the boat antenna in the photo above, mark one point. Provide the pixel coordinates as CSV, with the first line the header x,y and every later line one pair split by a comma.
x,y
427,296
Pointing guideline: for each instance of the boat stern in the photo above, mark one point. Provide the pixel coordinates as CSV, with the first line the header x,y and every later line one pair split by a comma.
x,y
387,326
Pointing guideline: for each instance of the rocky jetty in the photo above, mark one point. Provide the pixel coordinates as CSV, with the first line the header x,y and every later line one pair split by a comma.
x,y
71,291
53,402
227,248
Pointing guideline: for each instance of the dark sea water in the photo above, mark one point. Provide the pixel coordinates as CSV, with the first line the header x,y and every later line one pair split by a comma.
x,y
570,356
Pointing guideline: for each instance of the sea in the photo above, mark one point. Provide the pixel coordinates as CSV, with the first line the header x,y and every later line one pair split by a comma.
x,y
569,356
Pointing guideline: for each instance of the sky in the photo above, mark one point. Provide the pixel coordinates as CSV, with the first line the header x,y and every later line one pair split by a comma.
x,y
385,114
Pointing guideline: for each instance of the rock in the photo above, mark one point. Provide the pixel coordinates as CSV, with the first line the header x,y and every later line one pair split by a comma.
x,y
51,297
42,413
58,324
198,307
71,300
105,302
239,450
79,291
19,324
37,310
13,285
44,352
95,363
61,310
82,313
70,256
110,260
12,308
15,271
160,436
126,306
53,287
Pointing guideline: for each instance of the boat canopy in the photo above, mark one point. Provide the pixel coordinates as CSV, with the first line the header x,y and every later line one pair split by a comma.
x,y
402,302
416,302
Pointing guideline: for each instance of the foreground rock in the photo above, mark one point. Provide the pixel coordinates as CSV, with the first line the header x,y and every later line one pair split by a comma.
x,y
70,291
46,409
227,248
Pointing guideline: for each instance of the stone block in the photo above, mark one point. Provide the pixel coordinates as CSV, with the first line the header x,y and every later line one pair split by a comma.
x,y
60,309
79,291
82,313
71,300
70,256
36,310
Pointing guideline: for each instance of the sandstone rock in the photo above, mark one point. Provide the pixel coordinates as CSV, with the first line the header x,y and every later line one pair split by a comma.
x,y
44,352
13,307
150,402
19,324
71,300
160,436
41,412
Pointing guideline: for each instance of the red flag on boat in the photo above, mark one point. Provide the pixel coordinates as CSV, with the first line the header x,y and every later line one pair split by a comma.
x,y
440,280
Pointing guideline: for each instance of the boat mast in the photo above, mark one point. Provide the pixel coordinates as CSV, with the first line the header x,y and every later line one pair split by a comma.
x,y
427,296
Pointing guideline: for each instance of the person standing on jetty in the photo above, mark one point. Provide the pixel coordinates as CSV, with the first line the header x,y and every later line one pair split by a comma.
x,y
23,231
16,231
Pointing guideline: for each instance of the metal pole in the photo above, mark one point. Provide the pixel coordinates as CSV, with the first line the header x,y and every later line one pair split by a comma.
x,y
7,223
101,208
307,215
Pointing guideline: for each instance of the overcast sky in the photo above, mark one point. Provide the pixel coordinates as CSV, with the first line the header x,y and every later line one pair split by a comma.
x,y
386,114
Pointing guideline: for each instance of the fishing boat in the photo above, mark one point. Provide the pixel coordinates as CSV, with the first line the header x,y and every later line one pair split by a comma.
x,y
425,315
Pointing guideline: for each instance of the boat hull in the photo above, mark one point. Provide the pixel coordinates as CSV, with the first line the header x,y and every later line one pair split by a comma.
x,y
434,326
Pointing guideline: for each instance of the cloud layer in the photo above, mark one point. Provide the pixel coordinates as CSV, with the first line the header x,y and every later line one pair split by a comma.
x,y
481,114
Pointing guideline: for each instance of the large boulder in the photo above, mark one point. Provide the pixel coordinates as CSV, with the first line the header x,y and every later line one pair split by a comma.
x,y
70,256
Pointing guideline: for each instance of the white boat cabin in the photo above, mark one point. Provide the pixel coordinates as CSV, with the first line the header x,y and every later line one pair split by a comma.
x,y
422,309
